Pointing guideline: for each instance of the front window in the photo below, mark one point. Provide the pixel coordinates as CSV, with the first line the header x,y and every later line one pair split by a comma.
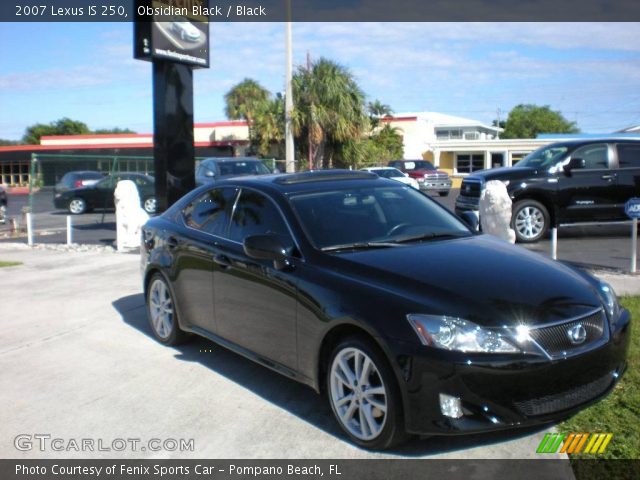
x,y
545,157
388,173
369,215
469,163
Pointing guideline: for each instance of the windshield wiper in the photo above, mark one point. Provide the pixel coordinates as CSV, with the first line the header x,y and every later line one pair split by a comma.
x,y
360,246
430,236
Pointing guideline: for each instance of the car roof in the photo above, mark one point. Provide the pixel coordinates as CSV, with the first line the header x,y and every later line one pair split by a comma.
x,y
286,183
229,159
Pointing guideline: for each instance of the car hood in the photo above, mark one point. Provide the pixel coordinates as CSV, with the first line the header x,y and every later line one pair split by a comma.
x,y
480,278
504,173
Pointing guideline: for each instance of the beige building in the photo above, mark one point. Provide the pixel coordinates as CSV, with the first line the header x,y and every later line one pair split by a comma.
x,y
457,145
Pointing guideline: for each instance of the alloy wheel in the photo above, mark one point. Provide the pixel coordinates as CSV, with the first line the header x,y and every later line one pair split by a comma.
x,y
161,308
77,206
358,394
529,222
150,205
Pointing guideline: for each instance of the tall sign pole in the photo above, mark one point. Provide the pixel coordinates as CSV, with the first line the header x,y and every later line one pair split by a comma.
x,y
175,38
288,98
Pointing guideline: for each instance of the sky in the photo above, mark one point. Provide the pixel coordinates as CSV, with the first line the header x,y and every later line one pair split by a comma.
x,y
86,71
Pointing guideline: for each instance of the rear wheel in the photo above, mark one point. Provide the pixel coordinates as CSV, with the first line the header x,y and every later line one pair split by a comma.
x,y
77,206
149,205
530,220
161,312
363,394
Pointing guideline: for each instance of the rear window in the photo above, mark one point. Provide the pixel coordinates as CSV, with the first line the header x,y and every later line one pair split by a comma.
x,y
629,155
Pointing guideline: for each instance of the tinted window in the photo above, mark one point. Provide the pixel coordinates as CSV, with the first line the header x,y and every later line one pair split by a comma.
x,y
210,211
242,168
594,156
255,214
351,215
629,155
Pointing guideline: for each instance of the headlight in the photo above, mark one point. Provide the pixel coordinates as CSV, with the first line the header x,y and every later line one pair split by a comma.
x,y
451,333
609,300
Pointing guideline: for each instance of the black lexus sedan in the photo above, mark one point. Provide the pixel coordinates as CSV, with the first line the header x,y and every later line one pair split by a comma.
x,y
372,293
99,195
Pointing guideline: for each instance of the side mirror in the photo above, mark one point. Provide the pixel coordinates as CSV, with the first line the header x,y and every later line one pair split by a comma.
x,y
406,174
574,164
266,247
470,219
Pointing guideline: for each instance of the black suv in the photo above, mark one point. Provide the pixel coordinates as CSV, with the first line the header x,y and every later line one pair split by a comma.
x,y
566,182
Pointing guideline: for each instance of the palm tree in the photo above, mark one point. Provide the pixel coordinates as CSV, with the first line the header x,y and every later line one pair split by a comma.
x,y
329,111
269,124
244,100
377,111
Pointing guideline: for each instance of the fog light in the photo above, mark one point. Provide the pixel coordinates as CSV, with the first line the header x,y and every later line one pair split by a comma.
x,y
450,406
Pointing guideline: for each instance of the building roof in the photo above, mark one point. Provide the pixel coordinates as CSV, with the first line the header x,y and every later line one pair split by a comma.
x,y
632,129
445,120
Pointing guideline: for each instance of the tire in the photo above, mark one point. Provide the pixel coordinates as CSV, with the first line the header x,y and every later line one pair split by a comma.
x,y
530,220
444,193
372,420
77,206
149,204
161,312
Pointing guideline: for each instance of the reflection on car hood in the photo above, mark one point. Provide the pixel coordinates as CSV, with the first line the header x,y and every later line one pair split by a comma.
x,y
479,278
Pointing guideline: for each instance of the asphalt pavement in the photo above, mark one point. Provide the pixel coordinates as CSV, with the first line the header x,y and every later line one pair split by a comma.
x,y
602,246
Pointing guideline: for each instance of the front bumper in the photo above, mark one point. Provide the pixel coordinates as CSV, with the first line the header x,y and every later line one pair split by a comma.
x,y
60,202
503,392
465,204
428,185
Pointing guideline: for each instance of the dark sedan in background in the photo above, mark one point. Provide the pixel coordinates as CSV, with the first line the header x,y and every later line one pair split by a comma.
x,y
214,169
100,195
371,292
77,179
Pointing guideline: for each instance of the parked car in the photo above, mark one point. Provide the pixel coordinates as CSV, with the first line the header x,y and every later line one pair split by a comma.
x,y
214,169
100,195
371,292
393,174
429,178
77,179
565,182
186,30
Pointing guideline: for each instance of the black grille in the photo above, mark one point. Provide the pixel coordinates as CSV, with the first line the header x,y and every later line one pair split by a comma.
x,y
470,188
555,340
565,400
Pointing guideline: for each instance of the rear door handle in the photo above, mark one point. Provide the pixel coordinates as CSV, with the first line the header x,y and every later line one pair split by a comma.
x,y
172,243
608,177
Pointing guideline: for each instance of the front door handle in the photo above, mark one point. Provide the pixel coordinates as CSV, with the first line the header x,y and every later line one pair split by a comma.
x,y
608,177
223,261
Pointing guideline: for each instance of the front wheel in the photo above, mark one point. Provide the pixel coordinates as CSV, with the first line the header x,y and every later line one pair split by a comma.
x,y
363,394
530,221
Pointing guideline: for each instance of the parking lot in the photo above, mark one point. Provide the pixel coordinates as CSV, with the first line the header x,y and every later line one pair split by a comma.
x,y
79,361
599,247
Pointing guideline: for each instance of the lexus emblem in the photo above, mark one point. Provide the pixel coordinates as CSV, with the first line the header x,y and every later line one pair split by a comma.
x,y
577,334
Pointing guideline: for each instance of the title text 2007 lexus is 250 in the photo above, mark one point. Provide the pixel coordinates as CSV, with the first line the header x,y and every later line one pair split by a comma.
x,y
373,294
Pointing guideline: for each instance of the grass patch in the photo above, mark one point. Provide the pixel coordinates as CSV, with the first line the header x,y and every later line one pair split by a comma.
x,y
618,413
9,264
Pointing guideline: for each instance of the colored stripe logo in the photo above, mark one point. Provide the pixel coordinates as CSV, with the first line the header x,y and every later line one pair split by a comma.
x,y
593,443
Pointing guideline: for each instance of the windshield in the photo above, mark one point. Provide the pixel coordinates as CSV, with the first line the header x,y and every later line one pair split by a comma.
x,y
243,168
544,157
419,165
373,215
388,173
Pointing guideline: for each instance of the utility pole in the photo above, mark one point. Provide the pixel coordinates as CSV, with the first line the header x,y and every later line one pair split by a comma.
x,y
498,112
290,162
310,154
